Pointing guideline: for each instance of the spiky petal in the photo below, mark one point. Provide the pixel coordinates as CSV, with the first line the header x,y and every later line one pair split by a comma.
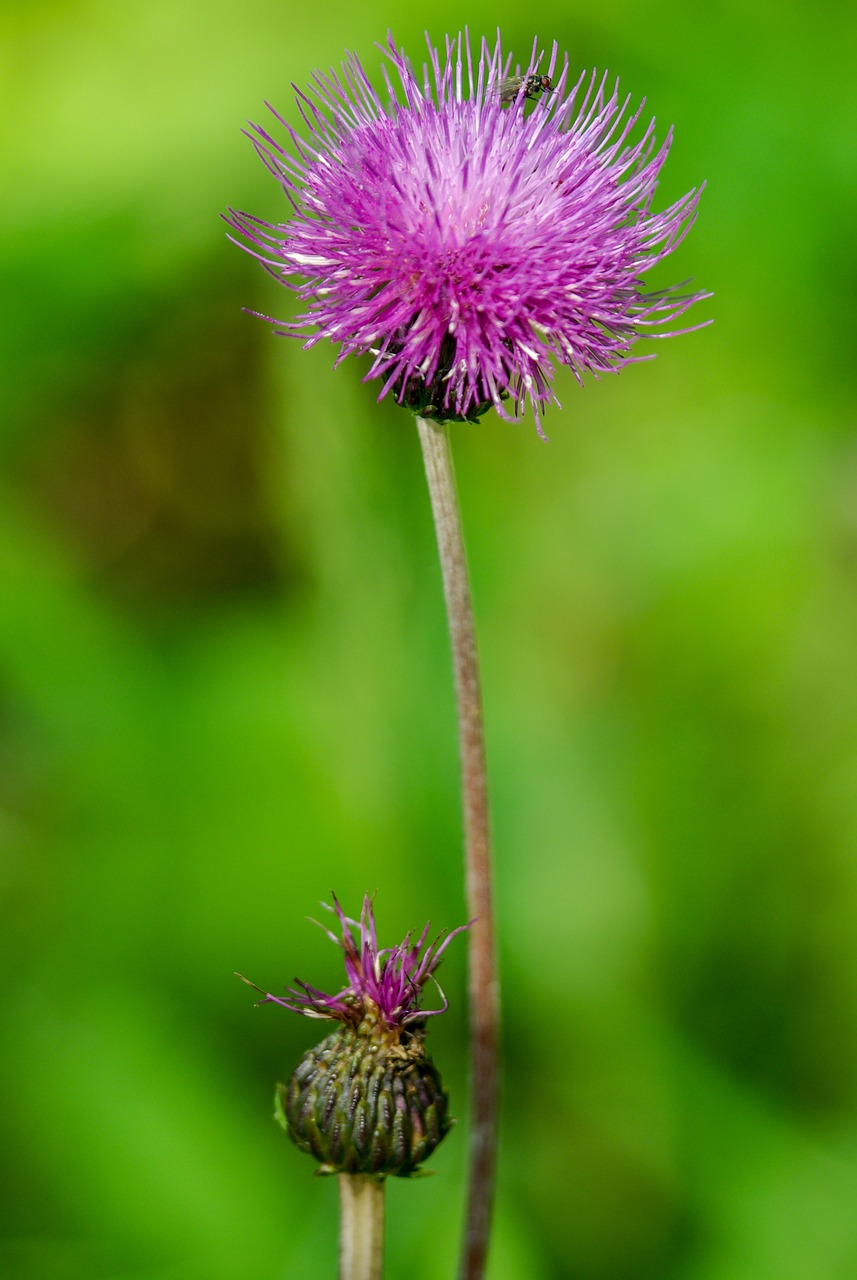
x,y
388,981
467,245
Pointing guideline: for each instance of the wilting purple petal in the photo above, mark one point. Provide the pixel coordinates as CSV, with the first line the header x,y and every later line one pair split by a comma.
x,y
387,982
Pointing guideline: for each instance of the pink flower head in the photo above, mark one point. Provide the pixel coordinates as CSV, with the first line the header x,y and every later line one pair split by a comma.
x,y
467,240
384,982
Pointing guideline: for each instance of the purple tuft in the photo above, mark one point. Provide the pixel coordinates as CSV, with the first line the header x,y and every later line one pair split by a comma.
x,y
468,245
387,982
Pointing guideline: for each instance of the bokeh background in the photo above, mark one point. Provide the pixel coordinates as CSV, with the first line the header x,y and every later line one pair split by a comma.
x,y
225,689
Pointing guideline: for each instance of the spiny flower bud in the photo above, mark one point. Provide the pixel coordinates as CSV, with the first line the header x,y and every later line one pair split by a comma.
x,y
368,1099
366,1102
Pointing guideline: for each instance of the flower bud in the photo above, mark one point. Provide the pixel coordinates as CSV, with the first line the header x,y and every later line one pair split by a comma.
x,y
366,1100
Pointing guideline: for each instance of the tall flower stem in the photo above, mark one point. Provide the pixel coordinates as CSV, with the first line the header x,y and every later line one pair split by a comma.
x,y
361,1227
484,1000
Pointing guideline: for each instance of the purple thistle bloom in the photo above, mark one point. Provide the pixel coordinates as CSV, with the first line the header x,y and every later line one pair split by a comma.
x,y
465,242
385,983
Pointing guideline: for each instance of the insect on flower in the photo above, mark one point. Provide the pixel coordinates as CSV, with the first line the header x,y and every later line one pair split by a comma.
x,y
527,248
532,86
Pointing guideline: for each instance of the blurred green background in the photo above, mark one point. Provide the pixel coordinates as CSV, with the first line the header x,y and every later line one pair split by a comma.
x,y
225,688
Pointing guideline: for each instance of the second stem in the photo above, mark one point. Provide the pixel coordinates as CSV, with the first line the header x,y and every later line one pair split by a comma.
x,y
483,986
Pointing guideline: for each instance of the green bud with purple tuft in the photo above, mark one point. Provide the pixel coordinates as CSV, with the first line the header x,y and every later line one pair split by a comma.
x,y
368,1099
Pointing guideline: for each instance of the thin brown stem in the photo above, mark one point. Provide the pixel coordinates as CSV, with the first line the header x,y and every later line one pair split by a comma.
x,y
361,1227
484,999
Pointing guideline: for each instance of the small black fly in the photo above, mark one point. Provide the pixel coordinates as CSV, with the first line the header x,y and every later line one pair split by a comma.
x,y
532,86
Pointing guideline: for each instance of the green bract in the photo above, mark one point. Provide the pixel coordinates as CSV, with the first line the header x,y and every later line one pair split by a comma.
x,y
366,1100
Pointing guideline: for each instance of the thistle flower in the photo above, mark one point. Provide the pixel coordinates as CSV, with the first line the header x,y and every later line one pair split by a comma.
x,y
368,1099
467,242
